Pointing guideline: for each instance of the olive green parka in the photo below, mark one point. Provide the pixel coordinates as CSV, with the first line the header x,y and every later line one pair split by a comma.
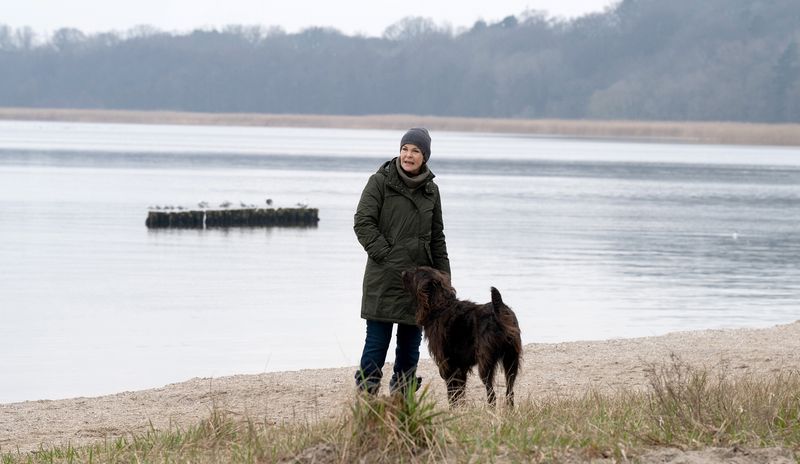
x,y
399,229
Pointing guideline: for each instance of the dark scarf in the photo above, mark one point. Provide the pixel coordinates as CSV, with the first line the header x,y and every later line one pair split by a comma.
x,y
412,182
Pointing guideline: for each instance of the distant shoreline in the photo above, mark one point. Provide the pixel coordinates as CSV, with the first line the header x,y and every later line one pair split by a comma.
x,y
727,133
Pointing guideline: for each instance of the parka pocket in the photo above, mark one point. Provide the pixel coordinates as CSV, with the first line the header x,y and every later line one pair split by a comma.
x,y
428,253
425,216
398,257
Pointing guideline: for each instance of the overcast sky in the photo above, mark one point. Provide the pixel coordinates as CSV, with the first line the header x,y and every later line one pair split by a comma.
x,y
349,16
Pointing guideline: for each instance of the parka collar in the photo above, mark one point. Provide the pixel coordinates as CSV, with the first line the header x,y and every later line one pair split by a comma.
x,y
389,169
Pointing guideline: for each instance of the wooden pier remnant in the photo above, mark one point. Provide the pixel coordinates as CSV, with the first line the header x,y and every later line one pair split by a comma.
x,y
244,217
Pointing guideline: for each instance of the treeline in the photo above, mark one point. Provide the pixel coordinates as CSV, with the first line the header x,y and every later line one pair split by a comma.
x,y
721,60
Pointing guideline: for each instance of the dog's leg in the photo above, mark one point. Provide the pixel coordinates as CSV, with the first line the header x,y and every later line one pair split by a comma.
x,y
456,382
511,366
486,369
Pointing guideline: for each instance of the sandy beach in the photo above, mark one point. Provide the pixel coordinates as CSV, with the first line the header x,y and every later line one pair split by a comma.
x,y
549,370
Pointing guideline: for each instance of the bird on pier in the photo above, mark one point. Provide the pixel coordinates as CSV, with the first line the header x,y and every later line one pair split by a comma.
x,y
302,205
269,201
202,204
225,204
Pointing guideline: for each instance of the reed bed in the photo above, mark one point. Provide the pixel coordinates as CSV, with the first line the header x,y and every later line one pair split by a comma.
x,y
661,131
682,408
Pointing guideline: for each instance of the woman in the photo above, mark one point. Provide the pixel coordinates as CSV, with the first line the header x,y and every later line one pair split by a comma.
x,y
399,224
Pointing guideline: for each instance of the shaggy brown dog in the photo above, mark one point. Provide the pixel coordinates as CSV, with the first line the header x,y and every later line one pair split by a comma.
x,y
462,334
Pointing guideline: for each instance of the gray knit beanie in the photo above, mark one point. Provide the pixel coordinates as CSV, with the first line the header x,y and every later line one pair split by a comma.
x,y
418,136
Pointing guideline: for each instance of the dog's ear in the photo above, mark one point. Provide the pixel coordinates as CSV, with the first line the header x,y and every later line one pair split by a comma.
x,y
445,278
422,293
447,287
440,290
423,297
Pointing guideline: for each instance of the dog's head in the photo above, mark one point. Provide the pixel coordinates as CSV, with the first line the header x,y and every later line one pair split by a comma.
x,y
431,290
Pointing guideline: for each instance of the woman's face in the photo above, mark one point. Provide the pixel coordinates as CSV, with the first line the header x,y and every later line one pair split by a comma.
x,y
411,158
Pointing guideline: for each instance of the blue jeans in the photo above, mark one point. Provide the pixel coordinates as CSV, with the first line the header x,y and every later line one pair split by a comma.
x,y
376,345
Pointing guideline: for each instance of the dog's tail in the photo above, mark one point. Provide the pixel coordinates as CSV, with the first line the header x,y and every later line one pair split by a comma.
x,y
497,300
508,320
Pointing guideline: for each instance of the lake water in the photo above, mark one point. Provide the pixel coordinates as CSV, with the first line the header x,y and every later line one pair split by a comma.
x,y
585,240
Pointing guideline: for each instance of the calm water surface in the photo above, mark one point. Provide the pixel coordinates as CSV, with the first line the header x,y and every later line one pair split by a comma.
x,y
585,240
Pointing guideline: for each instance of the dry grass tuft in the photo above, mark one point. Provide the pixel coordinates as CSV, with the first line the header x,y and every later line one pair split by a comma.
x,y
684,408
